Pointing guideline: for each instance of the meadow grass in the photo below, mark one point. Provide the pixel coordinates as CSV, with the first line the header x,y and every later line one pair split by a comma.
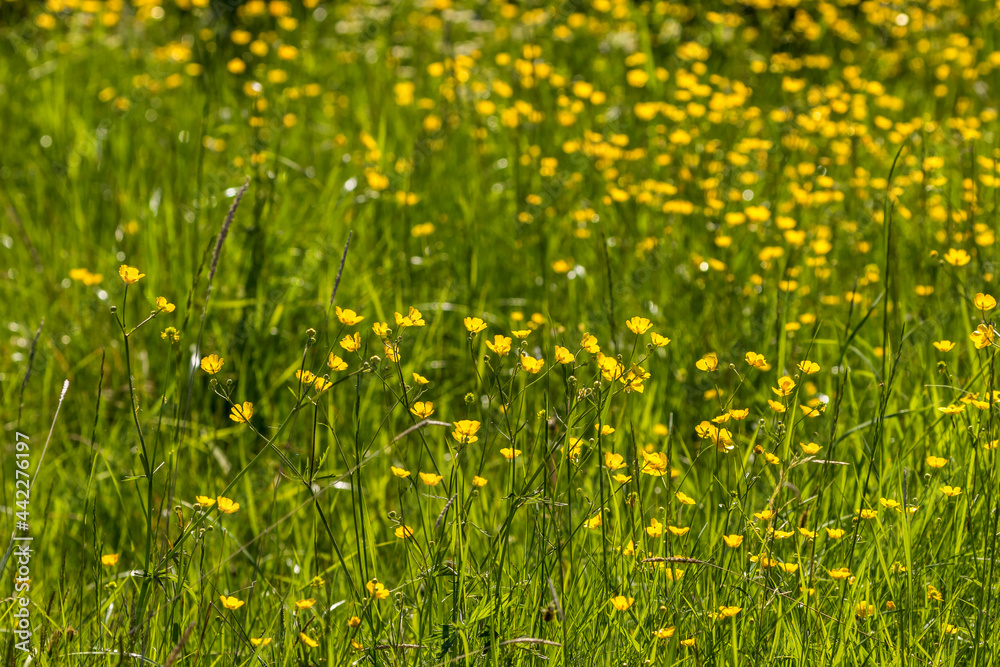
x,y
434,333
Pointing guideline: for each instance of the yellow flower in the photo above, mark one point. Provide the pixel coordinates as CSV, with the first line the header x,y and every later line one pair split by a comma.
x,y
348,316
474,325
129,274
936,461
658,340
377,590
678,531
810,448
864,609
430,479
952,409
614,461
500,345
86,277
109,559
732,541
664,633
655,528
336,363
708,363
532,365
391,352
322,384
564,356
305,604
204,501
307,640
621,603
867,513
171,334
622,478
260,641
229,602
212,364
350,342
402,473
479,481
785,386
353,622
957,257
520,333
638,325
242,413
164,305
422,409
764,515
984,302
756,360
465,431
728,612
943,345
227,506
305,377
888,503
808,367
684,498
413,318
834,533
420,379
594,522
934,594
688,643
589,344
951,491
983,336
840,573
509,453
403,532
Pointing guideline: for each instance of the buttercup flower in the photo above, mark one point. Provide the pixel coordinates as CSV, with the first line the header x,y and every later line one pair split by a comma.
x,y
422,409
474,325
348,316
212,364
465,431
227,506
129,274
621,603
230,602
241,413
109,560
499,345
430,479
638,325
377,590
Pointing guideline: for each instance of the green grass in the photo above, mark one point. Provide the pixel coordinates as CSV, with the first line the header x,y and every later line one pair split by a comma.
x,y
792,181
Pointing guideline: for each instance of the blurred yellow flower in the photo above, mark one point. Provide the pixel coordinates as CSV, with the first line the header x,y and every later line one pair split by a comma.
x,y
621,603
227,506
